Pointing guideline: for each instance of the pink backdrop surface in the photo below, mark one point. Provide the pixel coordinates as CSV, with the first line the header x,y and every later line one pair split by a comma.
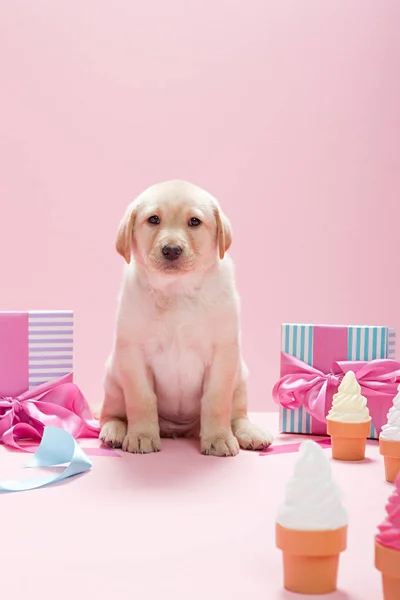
x,y
287,111
202,527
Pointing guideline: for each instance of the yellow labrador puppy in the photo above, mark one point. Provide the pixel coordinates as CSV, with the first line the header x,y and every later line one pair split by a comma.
x,y
176,367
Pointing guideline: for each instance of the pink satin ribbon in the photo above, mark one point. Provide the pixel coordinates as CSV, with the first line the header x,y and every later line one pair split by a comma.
x,y
59,403
303,385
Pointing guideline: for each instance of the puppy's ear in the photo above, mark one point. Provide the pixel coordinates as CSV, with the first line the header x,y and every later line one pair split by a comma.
x,y
224,232
125,232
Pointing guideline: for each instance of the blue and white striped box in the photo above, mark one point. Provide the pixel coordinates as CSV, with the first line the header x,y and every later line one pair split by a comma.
x,y
359,343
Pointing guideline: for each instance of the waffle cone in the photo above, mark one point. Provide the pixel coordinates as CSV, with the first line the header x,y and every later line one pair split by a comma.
x,y
311,559
387,561
348,439
391,452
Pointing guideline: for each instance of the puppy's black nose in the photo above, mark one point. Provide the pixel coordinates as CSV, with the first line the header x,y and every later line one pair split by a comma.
x,y
171,252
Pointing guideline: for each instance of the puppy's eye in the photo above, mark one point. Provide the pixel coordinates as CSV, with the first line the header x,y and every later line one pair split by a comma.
x,y
194,222
154,220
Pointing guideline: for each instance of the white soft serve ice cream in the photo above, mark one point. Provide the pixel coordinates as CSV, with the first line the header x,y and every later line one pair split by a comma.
x,y
349,405
313,500
391,431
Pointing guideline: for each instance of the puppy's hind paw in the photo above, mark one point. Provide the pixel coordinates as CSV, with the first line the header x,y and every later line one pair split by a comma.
x,y
113,433
252,437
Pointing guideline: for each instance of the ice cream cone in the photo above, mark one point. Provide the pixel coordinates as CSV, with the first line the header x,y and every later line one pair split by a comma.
x,y
311,558
387,561
389,440
387,546
349,440
391,452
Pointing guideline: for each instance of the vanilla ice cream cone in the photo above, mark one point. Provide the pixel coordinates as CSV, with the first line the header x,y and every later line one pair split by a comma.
x,y
311,559
389,441
311,526
348,421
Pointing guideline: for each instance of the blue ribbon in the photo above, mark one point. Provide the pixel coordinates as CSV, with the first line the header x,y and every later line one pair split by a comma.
x,y
57,448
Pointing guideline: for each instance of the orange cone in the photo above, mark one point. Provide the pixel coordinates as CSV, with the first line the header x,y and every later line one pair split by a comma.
x,y
311,558
349,440
391,452
387,561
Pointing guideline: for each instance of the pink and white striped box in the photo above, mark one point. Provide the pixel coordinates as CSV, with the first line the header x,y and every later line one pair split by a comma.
x,y
35,347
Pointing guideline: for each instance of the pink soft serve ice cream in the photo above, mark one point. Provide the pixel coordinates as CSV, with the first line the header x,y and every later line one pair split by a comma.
x,y
389,530
387,547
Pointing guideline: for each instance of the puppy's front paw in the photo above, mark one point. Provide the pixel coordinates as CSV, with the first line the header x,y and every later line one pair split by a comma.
x,y
252,437
141,442
112,433
221,444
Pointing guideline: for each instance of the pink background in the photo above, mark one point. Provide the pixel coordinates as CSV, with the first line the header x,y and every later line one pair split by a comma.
x,y
287,111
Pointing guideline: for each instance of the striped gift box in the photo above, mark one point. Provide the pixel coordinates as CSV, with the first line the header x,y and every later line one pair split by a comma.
x,y
360,343
50,339
35,347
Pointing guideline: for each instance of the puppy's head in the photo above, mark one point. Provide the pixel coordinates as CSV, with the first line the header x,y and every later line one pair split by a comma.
x,y
174,228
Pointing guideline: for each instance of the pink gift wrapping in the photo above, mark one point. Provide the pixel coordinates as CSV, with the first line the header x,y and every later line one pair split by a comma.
x,y
36,378
314,359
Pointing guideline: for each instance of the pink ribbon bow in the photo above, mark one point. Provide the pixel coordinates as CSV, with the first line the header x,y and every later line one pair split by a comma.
x,y
59,403
303,385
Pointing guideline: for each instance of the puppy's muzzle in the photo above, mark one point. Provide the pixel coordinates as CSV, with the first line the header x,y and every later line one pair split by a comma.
x,y
171,251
